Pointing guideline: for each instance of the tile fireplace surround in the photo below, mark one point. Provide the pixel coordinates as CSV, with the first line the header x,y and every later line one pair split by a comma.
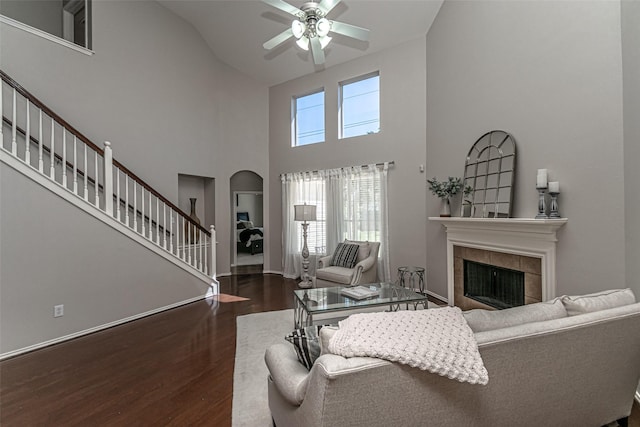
x,y
526,238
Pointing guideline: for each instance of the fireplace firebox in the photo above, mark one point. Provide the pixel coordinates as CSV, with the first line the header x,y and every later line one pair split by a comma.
x,y
494,286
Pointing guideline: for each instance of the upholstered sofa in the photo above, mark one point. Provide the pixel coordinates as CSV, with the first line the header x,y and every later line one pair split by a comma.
x,y
573,361
364,271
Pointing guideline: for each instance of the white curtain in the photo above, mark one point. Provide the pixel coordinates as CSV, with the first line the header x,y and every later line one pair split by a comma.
x,y
351,204
297,189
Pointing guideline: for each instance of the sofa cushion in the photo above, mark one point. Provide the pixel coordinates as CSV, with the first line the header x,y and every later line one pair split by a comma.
x,y
363,249
345,255
486,320
306,342
603,300
339,275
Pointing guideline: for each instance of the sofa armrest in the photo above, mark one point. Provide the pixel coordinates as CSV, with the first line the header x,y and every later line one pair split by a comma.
x,y
288,374
333,366
324,261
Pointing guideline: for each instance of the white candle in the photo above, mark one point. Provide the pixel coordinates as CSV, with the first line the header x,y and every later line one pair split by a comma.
x,y
541,182
554,187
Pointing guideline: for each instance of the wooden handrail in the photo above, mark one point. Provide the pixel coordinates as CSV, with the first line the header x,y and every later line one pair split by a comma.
x,y
69,165
35,101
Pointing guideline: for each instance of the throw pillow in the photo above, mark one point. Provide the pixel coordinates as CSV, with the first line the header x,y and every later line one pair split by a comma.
x,y
346,255
598,301
306,342
363,249
486,320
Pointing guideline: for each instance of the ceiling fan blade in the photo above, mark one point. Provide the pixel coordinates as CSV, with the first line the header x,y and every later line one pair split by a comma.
x,y
316,51
279,39
350,30
285,7
327,5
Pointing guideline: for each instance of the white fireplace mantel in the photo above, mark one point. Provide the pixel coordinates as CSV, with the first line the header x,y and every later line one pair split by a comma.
x,y
520,236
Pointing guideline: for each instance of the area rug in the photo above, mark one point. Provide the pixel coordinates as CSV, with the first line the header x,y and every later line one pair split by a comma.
x,y
255,332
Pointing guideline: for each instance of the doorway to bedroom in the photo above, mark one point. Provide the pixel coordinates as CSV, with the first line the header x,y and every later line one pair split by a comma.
x,y
248,225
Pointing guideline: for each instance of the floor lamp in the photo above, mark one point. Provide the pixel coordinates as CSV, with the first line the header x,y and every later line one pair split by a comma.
x,y
305,213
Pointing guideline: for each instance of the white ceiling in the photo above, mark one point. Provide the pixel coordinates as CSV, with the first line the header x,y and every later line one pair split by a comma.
x,y
236,29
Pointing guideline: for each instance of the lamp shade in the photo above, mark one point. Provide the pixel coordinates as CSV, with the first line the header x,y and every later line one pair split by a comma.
x,y
304,212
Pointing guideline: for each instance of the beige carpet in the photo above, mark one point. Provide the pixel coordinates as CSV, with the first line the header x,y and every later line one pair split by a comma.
x,y
255,332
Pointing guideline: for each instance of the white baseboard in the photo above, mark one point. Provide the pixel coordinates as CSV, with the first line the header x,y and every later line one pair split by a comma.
x,y
441,298
97,328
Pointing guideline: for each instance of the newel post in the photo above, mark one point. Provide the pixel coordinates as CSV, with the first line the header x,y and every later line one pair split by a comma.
x,y
215,283
108,178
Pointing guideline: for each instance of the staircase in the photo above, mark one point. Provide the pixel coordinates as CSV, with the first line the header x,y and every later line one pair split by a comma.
x,y
45,148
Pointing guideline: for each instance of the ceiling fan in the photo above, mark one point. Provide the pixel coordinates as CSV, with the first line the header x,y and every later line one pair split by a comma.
x,y
312,28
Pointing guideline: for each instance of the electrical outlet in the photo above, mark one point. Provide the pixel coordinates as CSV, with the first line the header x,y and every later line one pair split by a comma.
x,y
58,310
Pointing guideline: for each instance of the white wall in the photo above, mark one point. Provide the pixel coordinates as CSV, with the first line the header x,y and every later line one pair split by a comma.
x,y
401,139
550,73
631,71
154,89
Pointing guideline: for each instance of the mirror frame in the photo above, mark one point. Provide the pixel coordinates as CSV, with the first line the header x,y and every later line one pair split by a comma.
x,y
490,169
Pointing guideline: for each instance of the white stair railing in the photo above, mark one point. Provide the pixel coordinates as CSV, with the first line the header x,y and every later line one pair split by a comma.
x,y
72,161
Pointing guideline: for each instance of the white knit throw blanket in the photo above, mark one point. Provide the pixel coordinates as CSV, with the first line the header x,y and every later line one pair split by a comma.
x,y
437,340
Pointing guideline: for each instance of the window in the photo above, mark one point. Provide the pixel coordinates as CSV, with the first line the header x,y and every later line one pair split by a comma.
x,y
308,119
360,106
351,203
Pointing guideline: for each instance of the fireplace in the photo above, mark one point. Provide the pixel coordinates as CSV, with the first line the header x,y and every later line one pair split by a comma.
x,y
521,244
495,286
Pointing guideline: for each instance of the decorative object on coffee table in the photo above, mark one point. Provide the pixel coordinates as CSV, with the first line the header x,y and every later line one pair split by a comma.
x,y
305,213
445,190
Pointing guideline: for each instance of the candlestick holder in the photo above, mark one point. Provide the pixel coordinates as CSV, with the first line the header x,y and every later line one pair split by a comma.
x,y
554,205
542,208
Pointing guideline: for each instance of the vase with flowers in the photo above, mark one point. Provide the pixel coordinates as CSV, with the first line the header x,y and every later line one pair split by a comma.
x,y
445,190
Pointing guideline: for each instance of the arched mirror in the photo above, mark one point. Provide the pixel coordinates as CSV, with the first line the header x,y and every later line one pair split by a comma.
x,y
489,174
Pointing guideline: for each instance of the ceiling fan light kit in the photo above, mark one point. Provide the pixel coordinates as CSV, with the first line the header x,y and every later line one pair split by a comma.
x,y
311,28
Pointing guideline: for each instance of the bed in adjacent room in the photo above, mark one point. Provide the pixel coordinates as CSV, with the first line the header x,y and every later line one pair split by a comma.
x,y
249,238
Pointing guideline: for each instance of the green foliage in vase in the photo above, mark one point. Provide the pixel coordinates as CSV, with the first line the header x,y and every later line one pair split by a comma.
x,y
445,189
468,194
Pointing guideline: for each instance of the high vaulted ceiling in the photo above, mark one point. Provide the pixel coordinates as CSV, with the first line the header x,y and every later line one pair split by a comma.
x,y
236,29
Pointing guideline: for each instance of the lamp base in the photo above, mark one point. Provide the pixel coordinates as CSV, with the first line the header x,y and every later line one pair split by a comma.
x,y
305,284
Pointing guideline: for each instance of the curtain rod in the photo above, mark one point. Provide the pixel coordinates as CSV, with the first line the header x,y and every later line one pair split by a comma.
x,y
390,163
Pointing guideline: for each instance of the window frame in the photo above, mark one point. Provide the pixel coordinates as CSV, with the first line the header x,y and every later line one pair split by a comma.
x,y
341,86
294,117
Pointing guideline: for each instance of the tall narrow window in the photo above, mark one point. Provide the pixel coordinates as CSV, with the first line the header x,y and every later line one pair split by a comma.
x,y
308,119
360,106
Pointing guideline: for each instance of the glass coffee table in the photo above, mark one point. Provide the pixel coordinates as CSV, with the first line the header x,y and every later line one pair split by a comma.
x,y
310,302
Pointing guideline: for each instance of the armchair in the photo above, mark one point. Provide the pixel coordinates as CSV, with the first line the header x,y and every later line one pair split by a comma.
x,y
365,270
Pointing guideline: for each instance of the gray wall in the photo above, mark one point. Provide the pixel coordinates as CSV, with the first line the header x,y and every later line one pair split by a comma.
x,y
44,15
402,136
54,253
164,101
631,71
168,106
550,73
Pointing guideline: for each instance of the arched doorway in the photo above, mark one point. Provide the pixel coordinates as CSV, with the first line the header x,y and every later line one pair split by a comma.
x,y
247,226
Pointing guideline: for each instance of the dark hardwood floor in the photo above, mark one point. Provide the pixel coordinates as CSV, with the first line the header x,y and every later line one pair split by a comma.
x,y
173,368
